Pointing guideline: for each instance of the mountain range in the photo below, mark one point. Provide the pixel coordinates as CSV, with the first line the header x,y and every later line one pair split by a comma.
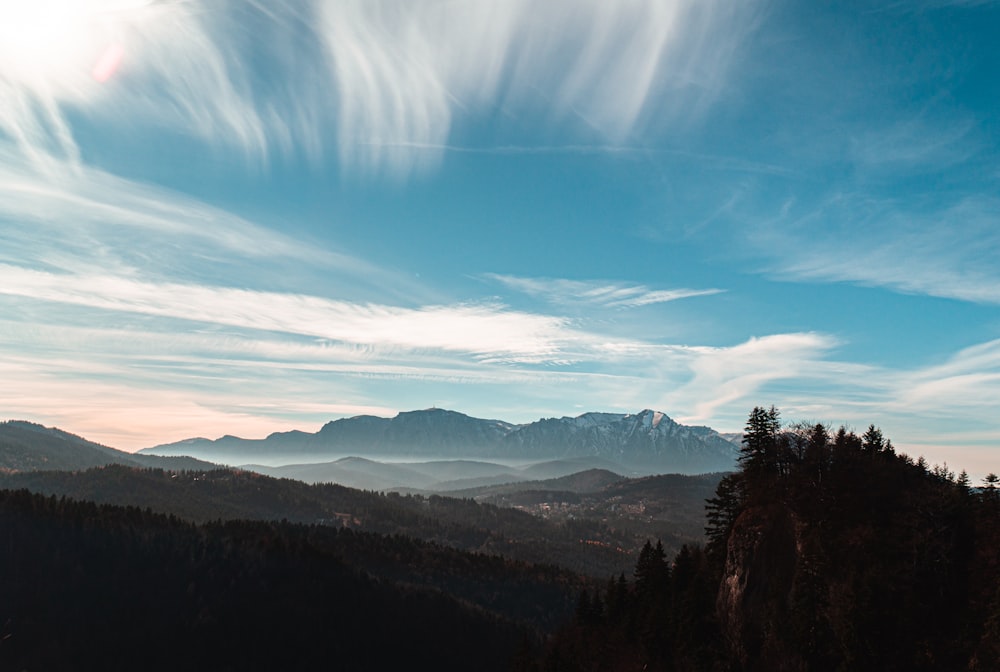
x,y
644,442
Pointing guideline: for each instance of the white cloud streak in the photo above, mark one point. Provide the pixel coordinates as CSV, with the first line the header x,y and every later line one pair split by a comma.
x,y
478,329
595,292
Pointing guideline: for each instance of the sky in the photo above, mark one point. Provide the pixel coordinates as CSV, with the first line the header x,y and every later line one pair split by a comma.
x,y
239,217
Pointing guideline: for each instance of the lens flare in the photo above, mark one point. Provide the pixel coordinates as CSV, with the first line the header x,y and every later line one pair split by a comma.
x,y
108,62
48,42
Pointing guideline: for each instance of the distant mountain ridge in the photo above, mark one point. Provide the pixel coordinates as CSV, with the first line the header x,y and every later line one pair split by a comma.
x,y
647,441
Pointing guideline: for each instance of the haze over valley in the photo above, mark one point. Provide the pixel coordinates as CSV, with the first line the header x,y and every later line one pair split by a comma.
x,y
442,450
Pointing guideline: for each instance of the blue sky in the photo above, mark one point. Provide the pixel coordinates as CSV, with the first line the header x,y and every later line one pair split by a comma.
x,y
239,217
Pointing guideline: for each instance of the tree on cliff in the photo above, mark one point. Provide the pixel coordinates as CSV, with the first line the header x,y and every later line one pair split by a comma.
x,y
721,512
826,551
760,452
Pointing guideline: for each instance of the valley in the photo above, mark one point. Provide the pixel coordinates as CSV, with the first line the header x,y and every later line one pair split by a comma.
x,y
537,561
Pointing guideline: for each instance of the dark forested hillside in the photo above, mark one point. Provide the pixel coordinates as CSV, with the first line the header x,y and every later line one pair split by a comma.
x,y
670,507
87,587
597,539
825,553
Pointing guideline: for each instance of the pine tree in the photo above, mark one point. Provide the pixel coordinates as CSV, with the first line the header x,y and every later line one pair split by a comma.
x,y
872,441
616,599
721,512
651,571
817,453
760,440
990,491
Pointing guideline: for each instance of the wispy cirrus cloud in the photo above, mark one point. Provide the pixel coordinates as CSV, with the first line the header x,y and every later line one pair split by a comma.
x,y
915,144
724,376
78,219
405,70
944,249
923,5
595,292
398,73
967,383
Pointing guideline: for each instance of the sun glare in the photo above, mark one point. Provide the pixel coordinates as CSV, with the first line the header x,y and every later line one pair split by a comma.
x,y
45,42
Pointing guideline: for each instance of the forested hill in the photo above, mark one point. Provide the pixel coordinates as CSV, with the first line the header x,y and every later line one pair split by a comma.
x,y
26,446
591,542
88,587
825,553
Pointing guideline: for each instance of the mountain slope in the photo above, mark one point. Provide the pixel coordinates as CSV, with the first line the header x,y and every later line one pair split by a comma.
x,y
645,440
25,446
